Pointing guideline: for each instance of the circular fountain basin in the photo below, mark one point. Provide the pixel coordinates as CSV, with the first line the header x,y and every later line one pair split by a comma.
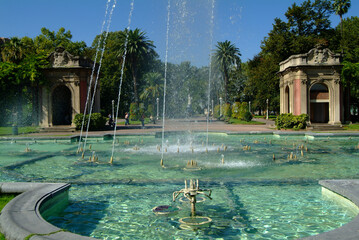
x,y
195,222
165,210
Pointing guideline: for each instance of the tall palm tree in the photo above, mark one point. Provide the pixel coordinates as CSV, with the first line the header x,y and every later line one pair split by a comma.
x,y
139,48
13,51
226,55
341,7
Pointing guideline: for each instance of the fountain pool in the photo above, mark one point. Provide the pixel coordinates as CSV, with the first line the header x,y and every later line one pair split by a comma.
x,y
264,186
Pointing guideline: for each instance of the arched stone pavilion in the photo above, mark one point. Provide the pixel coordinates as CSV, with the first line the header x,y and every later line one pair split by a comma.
x,y
310,83
65,92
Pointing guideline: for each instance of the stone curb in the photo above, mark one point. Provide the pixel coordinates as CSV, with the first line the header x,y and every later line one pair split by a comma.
x,y
348,189
21,218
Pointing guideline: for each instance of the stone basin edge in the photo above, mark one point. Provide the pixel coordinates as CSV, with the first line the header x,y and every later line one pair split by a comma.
x,y
21,218
349,189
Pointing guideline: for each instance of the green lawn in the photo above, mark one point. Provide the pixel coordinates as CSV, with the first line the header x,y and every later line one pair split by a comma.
x,y
147,120
271,117
352,127
237,121
21,130
4,199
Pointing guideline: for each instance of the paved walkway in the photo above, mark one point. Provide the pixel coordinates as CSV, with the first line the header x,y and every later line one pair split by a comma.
x,y
195,124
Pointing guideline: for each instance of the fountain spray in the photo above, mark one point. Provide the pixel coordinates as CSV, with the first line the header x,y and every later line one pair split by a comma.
x,y
165,80
121,79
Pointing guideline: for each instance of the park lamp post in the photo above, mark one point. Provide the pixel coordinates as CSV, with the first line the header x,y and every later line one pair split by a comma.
x,y
220,106
158,102
267,108
249,106
113,109
212,107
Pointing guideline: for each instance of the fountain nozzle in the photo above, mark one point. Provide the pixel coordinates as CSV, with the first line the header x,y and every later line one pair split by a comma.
x,y
191,193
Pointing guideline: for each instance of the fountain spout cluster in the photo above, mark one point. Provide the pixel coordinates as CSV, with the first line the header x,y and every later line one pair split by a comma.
x,y
191,193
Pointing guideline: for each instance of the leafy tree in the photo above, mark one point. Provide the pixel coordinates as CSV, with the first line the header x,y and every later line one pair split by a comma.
x,y
48,40
306,25
139,49
350,73
153,88
226,55
236,83
19,86
263,82
350,43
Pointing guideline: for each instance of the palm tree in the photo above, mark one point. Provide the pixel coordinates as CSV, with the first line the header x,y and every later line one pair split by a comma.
x,y
226,55
341,7
13,51
139,49
154,87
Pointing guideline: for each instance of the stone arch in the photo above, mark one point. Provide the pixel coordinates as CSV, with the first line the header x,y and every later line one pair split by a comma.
x,y
319,94
61,105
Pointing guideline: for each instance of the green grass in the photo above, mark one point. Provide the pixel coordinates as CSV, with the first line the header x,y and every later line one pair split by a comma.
x,y
352,127
147,120
4,199
21,130
272,117
241,122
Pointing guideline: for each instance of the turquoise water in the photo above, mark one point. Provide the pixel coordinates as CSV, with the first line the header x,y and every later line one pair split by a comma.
x,y
254,196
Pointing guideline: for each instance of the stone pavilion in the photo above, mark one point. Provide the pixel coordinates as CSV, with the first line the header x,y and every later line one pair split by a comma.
x,y
310,83
65,92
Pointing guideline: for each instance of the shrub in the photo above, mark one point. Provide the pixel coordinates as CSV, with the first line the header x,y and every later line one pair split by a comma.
x,y
217,110
227,110
243,109
247,116
288,120
78,121
97,121
236,110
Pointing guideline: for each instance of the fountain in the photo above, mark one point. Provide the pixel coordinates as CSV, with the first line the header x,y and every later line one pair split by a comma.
x,y
251,190
191,194
258,190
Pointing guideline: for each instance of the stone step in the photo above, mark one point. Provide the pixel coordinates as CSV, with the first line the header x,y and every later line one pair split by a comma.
x,y
324,127
58,129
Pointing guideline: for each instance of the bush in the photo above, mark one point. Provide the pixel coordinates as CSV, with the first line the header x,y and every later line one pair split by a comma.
x,y
247,116
97,121
236,110
227,110
288,120
243,109
217,110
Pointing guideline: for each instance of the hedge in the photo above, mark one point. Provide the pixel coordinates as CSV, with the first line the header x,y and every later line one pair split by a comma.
x,y
288,120
97,121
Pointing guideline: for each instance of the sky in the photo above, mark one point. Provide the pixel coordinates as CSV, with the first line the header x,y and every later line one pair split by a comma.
x,y
195,26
